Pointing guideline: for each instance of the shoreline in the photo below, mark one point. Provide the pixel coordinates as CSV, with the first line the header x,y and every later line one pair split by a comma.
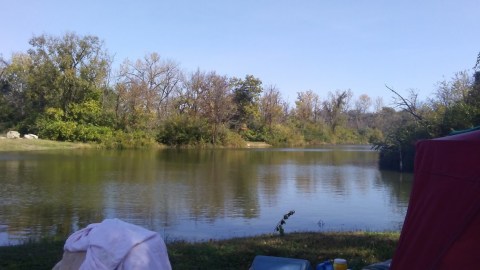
x,y
359,248
22,144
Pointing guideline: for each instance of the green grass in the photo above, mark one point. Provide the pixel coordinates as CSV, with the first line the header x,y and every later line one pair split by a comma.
x,y
30,145
359,248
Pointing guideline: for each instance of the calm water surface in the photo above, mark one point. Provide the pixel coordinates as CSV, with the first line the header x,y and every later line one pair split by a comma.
x,y
199,194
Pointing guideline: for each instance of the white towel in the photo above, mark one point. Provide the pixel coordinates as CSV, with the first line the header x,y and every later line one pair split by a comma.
x,y
115,244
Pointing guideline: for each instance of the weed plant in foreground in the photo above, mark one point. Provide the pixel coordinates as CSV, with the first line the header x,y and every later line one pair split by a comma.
x,y
359,248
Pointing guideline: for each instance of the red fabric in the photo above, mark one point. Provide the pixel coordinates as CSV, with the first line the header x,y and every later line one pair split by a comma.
x,y
442,223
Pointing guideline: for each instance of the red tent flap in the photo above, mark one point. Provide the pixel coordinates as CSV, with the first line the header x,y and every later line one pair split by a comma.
x,y
443,215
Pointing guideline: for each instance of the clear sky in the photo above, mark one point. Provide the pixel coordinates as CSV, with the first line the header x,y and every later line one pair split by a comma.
x,y
319,45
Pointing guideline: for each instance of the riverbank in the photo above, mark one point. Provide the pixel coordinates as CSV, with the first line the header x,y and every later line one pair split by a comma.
x,y
359,248
38,144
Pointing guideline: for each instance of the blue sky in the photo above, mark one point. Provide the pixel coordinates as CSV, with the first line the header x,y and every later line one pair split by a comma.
x,y
295,45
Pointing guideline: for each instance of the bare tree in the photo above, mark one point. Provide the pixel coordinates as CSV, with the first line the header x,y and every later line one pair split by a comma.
x,y
307,106
271,106
362,104
335,107
217,102
410,104
144,87
378,105
193,90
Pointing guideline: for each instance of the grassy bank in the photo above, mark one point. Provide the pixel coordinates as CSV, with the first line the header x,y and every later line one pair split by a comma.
x,y
359,248
31,145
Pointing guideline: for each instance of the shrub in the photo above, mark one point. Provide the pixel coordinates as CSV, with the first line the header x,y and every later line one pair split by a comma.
x,y
347,136
316,133
86,112
229,138
128,140
182,130
57,130
284,135
252,135
91,133
55,114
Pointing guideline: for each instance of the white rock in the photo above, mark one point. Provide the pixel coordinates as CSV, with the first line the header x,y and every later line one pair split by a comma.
x,y
13,135
30,136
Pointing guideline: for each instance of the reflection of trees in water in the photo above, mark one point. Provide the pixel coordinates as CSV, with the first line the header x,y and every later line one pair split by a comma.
x,y
399,185
48,194
56,194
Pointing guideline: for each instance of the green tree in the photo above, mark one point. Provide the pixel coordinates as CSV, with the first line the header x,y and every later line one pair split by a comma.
x,y
451,105
55,73
13,87
66,70
473,99
246,94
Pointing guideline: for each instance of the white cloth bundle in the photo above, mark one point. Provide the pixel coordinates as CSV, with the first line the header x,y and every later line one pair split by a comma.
x,y
115,244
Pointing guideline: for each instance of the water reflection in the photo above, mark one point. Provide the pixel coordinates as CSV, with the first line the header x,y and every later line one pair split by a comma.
x,y
199,194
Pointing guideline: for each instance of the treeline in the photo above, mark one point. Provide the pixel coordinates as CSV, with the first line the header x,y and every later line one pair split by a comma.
x,y
65,88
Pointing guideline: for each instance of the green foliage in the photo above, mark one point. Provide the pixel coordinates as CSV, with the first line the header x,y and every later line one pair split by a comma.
x,y
316,133
372,134
87,112
54,114
56,72
68,69
348,136
253,135
230,138
282,135
128,140
57,130
54,125
182,130
246,97
106,136
397,149
456,107
91,133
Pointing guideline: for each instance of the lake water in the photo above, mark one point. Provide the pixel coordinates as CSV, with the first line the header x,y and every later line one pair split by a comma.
x,y
198,195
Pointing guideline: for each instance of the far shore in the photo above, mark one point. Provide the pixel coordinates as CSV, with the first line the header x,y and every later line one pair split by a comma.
x,y
22,144
39,144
